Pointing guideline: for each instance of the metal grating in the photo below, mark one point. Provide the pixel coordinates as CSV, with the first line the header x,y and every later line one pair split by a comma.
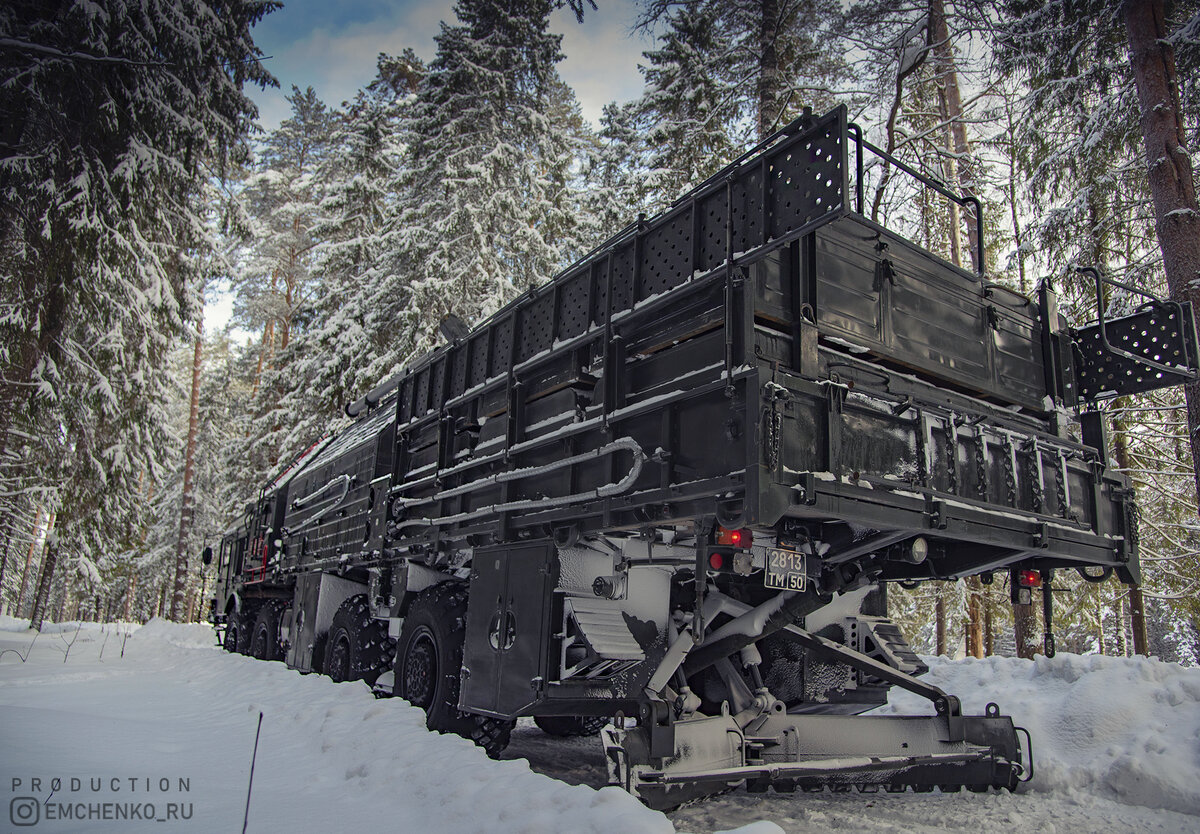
x,y
622,283
502,343
438,388
479,359
573,306
422,403
806,181
537,321
601,284
712,230
406,391
667,256
747,211
1164,334
459,356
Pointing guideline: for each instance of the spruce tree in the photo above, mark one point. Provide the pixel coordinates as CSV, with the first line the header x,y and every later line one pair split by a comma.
x,y
112,118
688,107
485,193
775,56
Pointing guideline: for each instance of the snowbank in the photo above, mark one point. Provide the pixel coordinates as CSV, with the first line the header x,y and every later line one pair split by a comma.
x,y
12,624
1128,728
187,636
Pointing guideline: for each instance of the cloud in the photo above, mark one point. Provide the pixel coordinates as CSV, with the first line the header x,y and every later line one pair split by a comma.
x,y
602,55
333,47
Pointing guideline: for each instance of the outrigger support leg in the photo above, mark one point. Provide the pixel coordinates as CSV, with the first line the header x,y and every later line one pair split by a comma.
x,y
691,756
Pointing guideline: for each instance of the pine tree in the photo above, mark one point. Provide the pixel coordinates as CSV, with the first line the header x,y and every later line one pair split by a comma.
x,y
352,340
281,198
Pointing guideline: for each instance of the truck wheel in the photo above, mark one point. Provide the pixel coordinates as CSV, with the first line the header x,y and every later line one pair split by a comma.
x,y
237,631
358,646
229,640
429,664
264,638
568,726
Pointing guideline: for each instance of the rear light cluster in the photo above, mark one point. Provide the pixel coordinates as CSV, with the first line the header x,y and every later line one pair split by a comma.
x,y
1022,583
735,538
726,544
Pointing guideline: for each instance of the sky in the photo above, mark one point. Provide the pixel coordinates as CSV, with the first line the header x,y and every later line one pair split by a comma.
x,y
332,46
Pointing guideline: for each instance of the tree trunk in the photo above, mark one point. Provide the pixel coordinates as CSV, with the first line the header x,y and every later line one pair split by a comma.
x,y
975,617
1172,185
130,590
1025,631
959,177
1137,620
43,587
768,68
9,529
939,611
988,637
1122,634
1120,444
29,559
189,467
959,172
64,593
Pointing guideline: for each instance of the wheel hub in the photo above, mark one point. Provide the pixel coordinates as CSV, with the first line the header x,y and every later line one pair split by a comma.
x,y
420,671
339,661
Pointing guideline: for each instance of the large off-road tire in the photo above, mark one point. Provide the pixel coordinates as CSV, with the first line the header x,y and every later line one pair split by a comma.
x,y
568,726
358,646
264,637
237,630
429,659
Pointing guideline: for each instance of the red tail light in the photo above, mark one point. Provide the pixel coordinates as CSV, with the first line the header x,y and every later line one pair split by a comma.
x,y
716,561
735,538
1029,579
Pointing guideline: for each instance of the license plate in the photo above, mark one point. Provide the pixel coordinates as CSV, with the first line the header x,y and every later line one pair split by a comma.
x,y
785,570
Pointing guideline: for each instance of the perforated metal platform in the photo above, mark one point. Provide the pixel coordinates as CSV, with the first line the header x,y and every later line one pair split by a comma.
x,y
1164,334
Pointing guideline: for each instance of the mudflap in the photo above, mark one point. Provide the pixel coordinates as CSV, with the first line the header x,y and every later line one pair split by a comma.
x,y
811,752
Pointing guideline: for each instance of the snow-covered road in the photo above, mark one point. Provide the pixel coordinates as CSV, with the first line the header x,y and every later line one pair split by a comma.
x,y
167,730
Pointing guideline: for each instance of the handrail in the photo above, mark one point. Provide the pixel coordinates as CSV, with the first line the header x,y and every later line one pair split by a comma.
x,y
858,162
940,188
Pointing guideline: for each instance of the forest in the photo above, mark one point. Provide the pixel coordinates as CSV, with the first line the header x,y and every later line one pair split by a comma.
x,y
136,182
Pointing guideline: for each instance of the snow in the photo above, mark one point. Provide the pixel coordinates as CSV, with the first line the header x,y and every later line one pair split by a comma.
x,y
1125,728
1117,743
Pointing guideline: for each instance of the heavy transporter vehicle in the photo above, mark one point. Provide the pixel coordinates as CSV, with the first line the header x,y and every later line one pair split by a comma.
x,y
665,492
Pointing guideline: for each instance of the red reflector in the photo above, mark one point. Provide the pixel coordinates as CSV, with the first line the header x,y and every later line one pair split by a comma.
x,y
1029,579
735,538
716,561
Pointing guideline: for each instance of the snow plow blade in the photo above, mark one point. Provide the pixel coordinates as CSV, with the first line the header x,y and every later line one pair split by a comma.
x,y
815,752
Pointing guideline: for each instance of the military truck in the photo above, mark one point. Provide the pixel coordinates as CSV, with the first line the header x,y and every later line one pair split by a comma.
x,y
662,497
